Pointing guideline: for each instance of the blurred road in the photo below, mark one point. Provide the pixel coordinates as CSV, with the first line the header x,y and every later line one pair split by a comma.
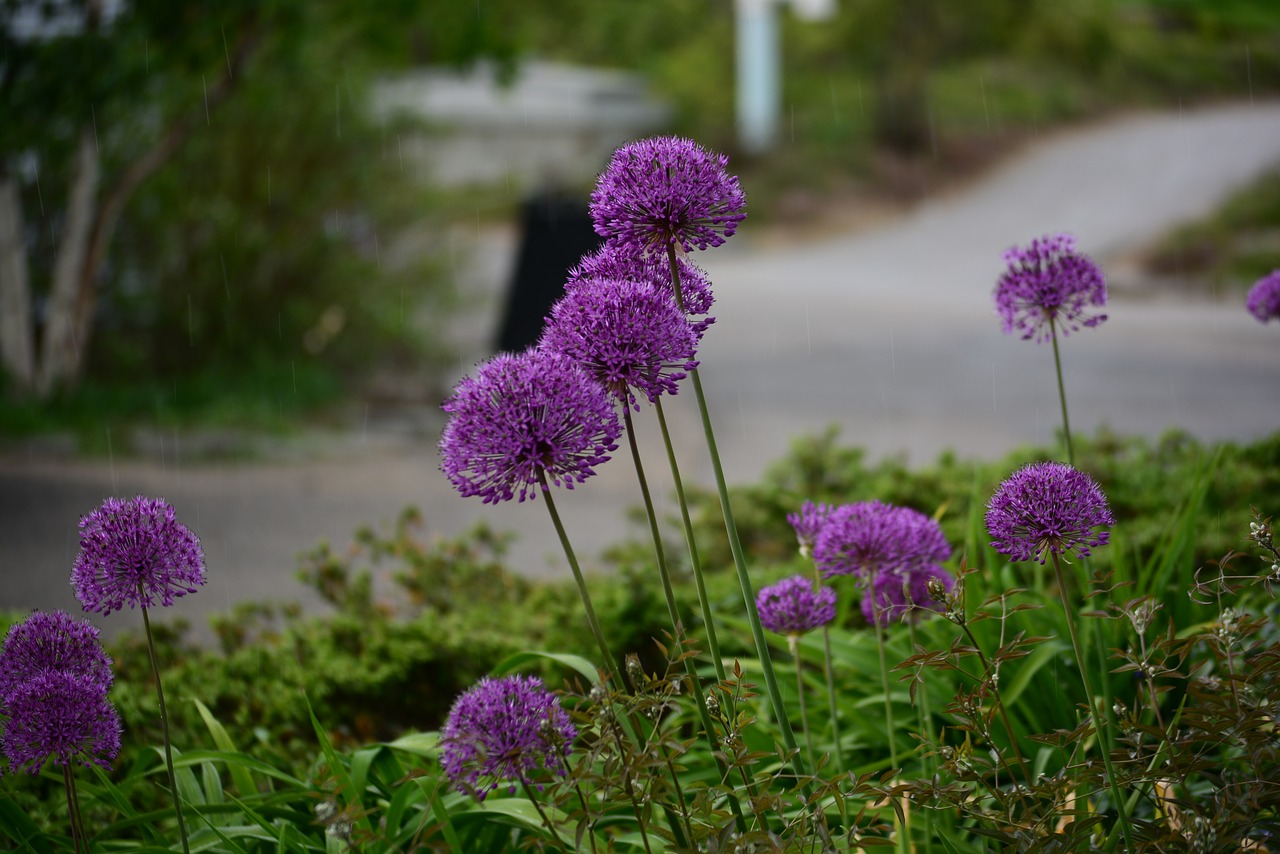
x,y
888,332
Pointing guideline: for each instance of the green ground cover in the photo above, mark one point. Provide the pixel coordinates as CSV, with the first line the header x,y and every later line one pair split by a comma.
x,y
383,667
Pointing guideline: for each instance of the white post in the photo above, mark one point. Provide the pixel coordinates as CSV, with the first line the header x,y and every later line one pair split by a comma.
x,y
759,89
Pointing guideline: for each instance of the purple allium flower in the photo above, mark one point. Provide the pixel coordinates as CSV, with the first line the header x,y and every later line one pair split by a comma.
x,y
521,415
869,538
667,191
503,730
135,552
52,640
1047,508
616,260
61,716
894,596
1049,286
794,607
808,524
1264,298
628,335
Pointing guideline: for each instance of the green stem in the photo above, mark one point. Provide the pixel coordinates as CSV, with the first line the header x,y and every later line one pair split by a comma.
x,y
902,843
713,645
1062,394
793,644
888,706
833,707
990,676
551,828
668,590
924,722
164,727
611,666
631,792
740,561
582,799
73,809
1103,741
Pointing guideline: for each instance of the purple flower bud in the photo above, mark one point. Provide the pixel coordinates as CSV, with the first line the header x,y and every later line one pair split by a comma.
x,y
519,416
1049,286
1263,301
616,260
1047,508
135,552
627,334
808,524
667,191
52,640
870,538
794,607
60,716
504,730
896,596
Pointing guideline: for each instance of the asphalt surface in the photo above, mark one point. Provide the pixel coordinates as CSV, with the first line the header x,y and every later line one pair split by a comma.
x,y
889,333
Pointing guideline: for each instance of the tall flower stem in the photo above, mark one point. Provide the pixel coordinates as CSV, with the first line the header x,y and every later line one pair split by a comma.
x,y
164,727
902,842
664,573
924,722
793,644
592,622
888,705
1062,394
73,809
691,669
611,666
833,706
739,558
704,601
1104,742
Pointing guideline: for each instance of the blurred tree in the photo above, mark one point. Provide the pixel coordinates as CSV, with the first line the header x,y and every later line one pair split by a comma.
x,y
99,97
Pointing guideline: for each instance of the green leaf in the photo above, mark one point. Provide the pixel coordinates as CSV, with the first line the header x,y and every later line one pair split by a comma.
x,y
18,826
240,775
347,789
575,662
424,744
441,814
1026,671
360,764
212,783
398,808
517,811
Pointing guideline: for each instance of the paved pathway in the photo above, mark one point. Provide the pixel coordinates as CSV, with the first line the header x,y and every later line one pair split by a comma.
x,y
889,333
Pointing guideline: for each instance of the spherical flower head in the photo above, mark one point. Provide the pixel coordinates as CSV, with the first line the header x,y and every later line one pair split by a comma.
x,y
525,416
667,191
869,538
1049,287
61,716
615,260
895,596
1263,301
504,730
1048,508
52,640
628,335
135,552
794,607
808,524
